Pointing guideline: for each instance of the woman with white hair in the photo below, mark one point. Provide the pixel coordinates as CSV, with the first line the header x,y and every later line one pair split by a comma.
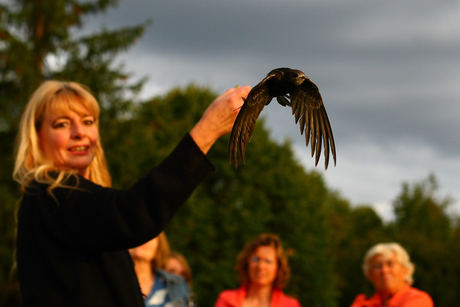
x,y
389,269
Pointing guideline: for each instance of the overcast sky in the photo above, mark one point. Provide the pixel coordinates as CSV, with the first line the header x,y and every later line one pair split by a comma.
x,y
388,71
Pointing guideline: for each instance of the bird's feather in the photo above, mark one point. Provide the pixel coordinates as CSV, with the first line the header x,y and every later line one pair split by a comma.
x,y
246,120
291,88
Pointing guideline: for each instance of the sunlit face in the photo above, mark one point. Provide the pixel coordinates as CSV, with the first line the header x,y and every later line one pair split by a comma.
x,y
387,274
263,266
174,266
146,251
69,139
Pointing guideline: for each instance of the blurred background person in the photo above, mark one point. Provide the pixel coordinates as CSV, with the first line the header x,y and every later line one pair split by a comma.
x,y
389,269
263,271
159,287
177,264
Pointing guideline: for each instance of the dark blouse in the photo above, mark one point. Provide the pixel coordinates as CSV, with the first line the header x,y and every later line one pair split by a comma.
x,y
72,249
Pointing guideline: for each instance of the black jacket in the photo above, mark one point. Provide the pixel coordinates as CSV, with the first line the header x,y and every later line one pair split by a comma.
x,y
72,250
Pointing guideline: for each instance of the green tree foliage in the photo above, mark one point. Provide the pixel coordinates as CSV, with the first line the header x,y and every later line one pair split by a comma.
x,y
356,229
326,236
234,206
426,229
40,40
418,208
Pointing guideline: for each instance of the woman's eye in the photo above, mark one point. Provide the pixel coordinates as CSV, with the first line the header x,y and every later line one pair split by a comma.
x,y
61,124
89,121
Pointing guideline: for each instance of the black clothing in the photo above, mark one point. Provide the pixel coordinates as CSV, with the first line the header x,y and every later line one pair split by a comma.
x,y
72,249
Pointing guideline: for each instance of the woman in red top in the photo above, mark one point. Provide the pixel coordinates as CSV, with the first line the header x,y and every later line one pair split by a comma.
x,y
388,267
264,271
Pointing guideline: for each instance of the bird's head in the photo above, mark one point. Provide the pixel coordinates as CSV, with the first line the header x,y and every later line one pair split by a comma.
x,y
298,76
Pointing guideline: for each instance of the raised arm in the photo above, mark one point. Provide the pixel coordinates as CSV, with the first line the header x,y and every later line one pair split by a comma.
x,y
219,117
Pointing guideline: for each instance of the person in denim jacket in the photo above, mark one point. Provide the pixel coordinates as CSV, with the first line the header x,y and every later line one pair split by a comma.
x,y
178,264
160,288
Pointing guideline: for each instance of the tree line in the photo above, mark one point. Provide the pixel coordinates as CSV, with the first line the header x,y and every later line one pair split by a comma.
x,y
326,235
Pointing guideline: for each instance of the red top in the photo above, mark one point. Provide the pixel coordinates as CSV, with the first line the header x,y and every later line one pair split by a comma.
x,y
406,297
235,298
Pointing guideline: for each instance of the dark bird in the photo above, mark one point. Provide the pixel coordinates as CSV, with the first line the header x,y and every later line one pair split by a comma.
x,y
291,88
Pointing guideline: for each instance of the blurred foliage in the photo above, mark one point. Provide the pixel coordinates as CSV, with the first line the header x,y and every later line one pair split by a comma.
x,y
325,234
233,206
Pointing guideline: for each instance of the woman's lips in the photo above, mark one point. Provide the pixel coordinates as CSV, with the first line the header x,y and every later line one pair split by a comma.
x,y
81,149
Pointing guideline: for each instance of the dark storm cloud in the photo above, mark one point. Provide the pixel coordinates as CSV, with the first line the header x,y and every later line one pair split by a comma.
x,y
388,71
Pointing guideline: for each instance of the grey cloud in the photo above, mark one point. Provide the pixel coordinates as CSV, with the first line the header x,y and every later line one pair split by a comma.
x,y
389,73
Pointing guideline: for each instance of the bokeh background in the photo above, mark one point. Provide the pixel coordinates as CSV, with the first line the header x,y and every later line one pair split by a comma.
x,y
389,74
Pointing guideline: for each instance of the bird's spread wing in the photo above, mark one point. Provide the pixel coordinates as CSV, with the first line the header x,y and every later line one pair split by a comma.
x,y
245,122
308,109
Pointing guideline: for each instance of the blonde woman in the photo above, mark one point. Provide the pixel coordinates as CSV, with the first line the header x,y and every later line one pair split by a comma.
x,y
73,229
389,269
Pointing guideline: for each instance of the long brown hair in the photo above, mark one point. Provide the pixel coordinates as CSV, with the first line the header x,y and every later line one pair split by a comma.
x,y
264,239
162,255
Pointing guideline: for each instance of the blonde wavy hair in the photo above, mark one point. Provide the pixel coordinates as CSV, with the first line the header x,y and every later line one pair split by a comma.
x,y
31,162
162,255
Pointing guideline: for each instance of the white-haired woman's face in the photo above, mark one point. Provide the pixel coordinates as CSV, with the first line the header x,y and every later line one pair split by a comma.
x,y
387,274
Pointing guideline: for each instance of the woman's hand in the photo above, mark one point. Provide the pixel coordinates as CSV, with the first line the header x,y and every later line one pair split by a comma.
x,y
219,117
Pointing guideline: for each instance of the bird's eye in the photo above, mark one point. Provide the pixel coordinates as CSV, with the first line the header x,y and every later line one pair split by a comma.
x,y
294,74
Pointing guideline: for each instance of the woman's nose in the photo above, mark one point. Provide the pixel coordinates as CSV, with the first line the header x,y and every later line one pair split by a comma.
x,y
78,131
385,268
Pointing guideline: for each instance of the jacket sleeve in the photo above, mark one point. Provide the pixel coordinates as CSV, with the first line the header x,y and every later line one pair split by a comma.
x,y
96,218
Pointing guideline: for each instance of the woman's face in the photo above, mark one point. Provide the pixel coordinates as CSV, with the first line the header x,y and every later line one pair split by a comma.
x,y
263,266
69,139
387,274
146,251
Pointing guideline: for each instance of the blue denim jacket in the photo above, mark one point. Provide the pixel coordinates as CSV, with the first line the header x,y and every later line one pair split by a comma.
x,y
178,290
